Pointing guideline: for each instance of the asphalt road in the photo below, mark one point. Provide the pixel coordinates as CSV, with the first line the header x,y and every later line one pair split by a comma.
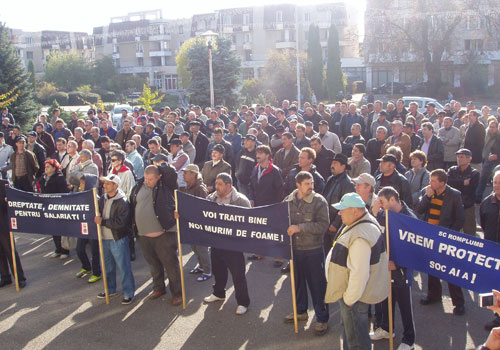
x,y
58,311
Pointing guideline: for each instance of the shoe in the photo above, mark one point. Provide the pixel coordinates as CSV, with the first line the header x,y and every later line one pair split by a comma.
x,y
4,283
94,278
459,310
22,284
241,310
379,334
285,269
132,256
83,273
63,256
428,300
300,317
103,296
211,298
54,255
204,276
196,270
255,257
156,294
493,324
404,346
127,301
277,263
320,328
176,301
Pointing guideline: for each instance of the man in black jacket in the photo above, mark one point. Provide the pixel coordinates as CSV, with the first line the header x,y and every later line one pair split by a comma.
x,y
245,162
390,177
336,186
324,157
374,148
442,205
474,139
306,159
38,150
464,178
114,219
489,214
152,209
200,142
433,147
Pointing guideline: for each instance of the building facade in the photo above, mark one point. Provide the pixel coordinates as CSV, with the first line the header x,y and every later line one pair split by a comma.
x,y
465,33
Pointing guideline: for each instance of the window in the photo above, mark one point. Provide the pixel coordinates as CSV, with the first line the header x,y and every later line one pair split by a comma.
x,y
181,43
116,49
248,55
181,29
29,40
29,55
473,45
139,47
156,61
247,74
246,19
165,45
140,61
279,16
171,82
307,17
158,81
116,62
248,38
227,20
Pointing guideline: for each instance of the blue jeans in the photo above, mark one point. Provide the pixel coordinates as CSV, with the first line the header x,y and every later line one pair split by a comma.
x,y
356,326
309,268
82,255
118,253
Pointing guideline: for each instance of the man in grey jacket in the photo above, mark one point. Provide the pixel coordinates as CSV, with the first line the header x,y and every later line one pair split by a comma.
x,y
309,222
86,166
450,136
223,260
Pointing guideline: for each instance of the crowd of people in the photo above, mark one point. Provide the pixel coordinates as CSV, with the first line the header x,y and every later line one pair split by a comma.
x,y
338,169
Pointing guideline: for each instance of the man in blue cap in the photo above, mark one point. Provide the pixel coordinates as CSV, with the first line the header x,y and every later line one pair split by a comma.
x,y
357,275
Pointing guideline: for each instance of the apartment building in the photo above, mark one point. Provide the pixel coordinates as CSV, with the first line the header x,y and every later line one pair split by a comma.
x,y
144,44
391,56
37,46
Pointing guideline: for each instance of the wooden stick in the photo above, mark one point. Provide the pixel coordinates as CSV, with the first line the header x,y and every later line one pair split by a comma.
x,y
14,263
292,281
101,252
181,265
389,300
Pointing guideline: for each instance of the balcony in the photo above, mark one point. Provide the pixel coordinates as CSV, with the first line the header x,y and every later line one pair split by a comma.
x,y
158,37
285,44
160,53
116,55
227,29
139,54
247,46
245,28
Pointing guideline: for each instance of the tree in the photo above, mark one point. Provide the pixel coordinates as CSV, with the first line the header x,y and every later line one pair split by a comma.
x,y
182,61
315,62
103,71
148,98
334,77
16,91
67,70
31,72
281,75
226,71
424,36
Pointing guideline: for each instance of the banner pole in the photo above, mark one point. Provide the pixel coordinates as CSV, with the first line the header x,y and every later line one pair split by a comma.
x,y
101,252
14,262
389,299
181,265
292,281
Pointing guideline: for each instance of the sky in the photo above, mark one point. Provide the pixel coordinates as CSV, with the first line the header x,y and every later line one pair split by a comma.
x,y
83,16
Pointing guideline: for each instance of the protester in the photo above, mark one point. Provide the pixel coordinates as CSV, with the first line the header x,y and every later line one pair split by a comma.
x,y
135,158
287,156
245,162
400,139
357,272
474,139
24,166
114,219
364,185
152,210
214,167
358,163
127,179
39,152
200,142
6,152
417,176
450,136
433,147
442,205
224,260
390,177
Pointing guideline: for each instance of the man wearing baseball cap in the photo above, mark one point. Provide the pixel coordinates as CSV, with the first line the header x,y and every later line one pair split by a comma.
x,y
359,248
390,177
114,219
214,167
365,187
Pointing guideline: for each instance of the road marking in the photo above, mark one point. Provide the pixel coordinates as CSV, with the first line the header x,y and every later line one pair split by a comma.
x,y
38,246
10,321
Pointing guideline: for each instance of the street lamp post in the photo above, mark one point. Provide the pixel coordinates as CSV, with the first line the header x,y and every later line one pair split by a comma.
x,y
210,38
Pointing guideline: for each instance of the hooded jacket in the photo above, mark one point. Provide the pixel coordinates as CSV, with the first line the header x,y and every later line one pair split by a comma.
x,y
119,218
267,190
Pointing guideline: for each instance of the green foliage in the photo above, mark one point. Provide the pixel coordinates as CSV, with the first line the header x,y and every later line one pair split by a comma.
x,y
15,83
103,71
315,62
281,75
148,98
250,90
106,95
62,98
170,100
123,83
31,72
334,76
84,88
67,70
226,70
182,61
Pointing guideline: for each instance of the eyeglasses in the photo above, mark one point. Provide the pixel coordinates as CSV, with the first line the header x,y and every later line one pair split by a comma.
x,y
114,160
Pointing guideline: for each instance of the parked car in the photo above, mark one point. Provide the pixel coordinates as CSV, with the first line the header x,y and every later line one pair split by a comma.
x,y
117,112
417,88
387,88
422,102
